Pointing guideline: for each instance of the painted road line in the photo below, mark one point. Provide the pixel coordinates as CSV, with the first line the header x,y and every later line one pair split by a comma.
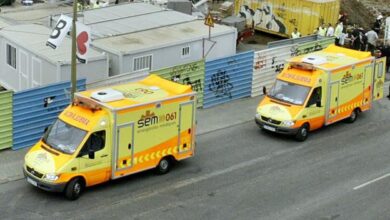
x,y
372,181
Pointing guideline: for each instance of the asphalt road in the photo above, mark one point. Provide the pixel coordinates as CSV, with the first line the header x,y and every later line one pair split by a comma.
x,y
239,172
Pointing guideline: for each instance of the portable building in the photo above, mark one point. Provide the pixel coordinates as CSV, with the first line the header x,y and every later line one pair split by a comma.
x,y
280,17
3,24
140,37
167,46
27,62
127,18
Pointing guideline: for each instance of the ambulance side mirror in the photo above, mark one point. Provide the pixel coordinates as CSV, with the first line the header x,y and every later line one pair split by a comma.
x,y
46,128
91,154
264,90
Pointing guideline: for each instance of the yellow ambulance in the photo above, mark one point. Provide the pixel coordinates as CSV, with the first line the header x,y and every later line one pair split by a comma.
x,y
113,132
319,89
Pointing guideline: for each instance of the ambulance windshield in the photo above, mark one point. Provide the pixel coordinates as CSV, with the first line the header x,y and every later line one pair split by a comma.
x,y
64,137
289,92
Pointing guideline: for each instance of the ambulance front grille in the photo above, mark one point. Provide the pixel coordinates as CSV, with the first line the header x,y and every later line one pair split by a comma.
x,y
33,172
270,120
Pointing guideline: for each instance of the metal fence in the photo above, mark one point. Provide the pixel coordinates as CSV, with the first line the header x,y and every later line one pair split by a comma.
x,y
189,74
5,119
35,109
228,79
118,79
267,64
292,41
312,46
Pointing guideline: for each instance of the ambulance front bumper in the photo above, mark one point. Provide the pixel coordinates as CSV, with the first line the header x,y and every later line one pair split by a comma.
x,y
51,187
275,128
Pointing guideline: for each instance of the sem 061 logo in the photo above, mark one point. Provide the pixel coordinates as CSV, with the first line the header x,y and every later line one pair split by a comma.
x,y
348,77
150,118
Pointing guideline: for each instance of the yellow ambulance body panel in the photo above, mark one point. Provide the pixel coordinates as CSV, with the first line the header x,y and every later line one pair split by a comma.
x,y
321,88
280,17
113,132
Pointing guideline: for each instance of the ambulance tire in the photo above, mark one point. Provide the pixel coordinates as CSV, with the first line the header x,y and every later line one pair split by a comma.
x,y
74,188
164,166
354,115
303,133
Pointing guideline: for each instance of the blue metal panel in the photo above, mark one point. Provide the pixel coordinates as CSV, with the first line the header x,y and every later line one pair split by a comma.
x,y
228,79
35,109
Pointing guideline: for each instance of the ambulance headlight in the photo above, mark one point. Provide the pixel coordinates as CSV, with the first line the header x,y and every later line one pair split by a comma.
x,y
51,177
258,116
288,123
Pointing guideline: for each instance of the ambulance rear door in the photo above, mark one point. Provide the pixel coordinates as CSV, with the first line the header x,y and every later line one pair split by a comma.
x,y
379,78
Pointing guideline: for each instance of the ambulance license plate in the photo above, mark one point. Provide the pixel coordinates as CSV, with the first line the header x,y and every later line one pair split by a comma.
x,y
269,128
32,182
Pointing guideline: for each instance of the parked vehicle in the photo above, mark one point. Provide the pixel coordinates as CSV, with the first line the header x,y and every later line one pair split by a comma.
x,y
244,31
114,132
321,88
280,17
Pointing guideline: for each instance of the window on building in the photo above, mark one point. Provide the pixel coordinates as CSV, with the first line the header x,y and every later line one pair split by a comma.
x,y
11,56
142,63
185,52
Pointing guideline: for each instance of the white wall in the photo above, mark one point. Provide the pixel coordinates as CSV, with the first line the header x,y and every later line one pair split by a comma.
x,y
172,56
8,75
92,71
30,64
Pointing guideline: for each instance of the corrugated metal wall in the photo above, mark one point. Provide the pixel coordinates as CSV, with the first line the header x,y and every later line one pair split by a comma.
x,y
292,41
267,64
5,119
228,79
309,47
118,79
190,74
35,109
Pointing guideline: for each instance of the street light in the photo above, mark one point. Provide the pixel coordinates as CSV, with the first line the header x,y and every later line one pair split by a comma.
x,y
73,61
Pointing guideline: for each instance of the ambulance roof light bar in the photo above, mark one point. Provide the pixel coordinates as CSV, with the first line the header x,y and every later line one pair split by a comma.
x,y
302,66
86,102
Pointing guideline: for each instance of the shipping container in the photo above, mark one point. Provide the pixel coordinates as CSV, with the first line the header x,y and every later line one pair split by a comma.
x,y
280,17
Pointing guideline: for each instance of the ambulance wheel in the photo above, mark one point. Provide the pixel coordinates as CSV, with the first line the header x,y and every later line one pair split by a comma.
x,y
164,165
354,115
302,133
74,188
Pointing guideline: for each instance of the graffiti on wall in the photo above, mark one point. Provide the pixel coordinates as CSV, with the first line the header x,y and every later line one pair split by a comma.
x,y
299,50
182,74
220,84
266,17
260,62
276,63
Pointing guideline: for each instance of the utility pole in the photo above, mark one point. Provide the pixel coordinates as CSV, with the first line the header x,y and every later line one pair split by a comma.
x,y
73,62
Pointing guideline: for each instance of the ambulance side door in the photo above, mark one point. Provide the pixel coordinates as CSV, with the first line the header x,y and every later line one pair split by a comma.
x,y
94,158
315,108
332,102
186,125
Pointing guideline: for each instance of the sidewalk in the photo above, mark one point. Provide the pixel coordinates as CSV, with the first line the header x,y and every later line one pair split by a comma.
x,y
218,117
